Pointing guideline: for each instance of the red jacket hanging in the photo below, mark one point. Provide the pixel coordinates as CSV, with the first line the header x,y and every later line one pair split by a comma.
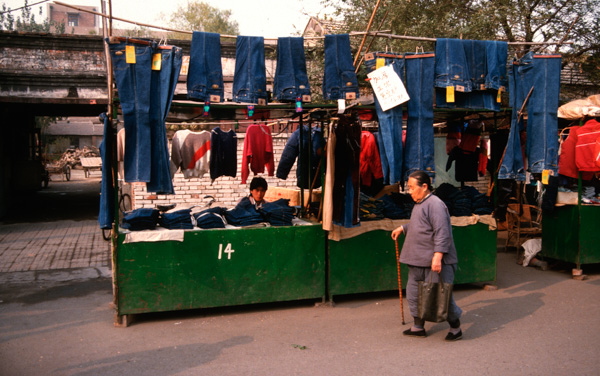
x,y
370,163
258,151
577,151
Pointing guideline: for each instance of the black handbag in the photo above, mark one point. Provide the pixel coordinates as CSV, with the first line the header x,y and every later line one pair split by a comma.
x,y
433,300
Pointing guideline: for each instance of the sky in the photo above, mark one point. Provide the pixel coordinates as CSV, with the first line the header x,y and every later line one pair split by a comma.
x,y
267,18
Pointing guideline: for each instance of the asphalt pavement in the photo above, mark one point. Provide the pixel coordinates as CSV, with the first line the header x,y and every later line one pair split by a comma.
x,y
58,320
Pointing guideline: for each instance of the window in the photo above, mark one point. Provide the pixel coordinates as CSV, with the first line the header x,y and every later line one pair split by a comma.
x,y
73,19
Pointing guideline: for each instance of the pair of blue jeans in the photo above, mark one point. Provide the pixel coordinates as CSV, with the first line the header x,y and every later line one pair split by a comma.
x,y
145,96
162,89
134,85
419,148
250,78
542,72
291,79
106,215
512,166
451,68
339,78
496,60
390,126
205,74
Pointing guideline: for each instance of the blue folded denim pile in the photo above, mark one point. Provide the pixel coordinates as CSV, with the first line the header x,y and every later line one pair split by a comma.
x,y
244,214
141,219
480,203
211,218
370,209
177,220
463,202
278,213
397,206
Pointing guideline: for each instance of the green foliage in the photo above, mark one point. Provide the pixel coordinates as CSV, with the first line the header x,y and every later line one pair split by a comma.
x,y
27,22
199,16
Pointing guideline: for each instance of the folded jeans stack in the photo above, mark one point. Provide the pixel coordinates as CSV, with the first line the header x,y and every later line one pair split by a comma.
x,y
177,220
278,213
244,214
210,218
141,219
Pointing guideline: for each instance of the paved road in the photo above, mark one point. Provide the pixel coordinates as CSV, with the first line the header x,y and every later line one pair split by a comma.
x,y
58,320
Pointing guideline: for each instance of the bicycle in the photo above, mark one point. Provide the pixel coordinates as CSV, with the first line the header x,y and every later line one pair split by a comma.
x,y
124,206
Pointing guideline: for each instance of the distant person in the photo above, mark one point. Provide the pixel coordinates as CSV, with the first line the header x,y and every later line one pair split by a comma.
x,y
428,248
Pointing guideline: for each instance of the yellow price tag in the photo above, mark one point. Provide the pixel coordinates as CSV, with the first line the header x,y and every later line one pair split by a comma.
x,y
450,94
546,176
380,63
499,97
156,61
130,54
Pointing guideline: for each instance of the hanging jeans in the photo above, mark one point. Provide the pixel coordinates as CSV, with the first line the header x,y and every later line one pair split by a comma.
x,y
496,56
162,89
133,83
390,134
339,79
419,130
512,166
106,214
542,72
346,189
205,74
250,78
451,67
291,79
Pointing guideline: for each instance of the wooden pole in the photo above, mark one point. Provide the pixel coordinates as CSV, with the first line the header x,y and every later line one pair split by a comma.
x,y
362,43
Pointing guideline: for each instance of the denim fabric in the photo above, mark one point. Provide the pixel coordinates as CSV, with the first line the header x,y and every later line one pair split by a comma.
x,y
291,79
180,219
106,214
419,129
542,72
451,68
141,219
162,88
292,151
339,77
205,74
244,214
390,133
250,78
496,61
278,213
512,166
210,218
347,174
133,83
475,54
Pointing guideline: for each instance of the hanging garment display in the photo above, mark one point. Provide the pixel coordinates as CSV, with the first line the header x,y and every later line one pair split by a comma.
x,y
106,215
146,75
370,163
451,68
312,143
512,165
578,151
390,121
223,153
346,189
542,73
339,78
419,128
258,151
205,74
190,152
164,80
250,78
291,79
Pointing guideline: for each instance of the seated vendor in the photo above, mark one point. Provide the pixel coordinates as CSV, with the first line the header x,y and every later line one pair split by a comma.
x,y
258,188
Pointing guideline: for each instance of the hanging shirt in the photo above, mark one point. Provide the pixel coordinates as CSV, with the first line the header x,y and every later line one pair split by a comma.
x,y
190,152
292,151
370,162
258,151
223,153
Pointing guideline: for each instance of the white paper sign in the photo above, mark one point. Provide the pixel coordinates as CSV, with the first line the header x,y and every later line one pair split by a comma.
x,y
388,87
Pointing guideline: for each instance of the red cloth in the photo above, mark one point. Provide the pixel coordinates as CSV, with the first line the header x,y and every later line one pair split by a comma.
x,y
483,158
469,142
586,145
370,163
258,151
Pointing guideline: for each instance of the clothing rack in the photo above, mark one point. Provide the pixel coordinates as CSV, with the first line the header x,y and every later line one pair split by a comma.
x,y
353,33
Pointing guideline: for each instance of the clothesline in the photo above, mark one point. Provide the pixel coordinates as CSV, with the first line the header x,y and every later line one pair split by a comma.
x,y
382,34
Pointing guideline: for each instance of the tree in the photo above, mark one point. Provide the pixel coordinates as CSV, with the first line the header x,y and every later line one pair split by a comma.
x,y
511,20
27,21
200,16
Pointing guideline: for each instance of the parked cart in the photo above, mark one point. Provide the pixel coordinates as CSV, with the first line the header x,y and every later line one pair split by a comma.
x,y
59,167
91,164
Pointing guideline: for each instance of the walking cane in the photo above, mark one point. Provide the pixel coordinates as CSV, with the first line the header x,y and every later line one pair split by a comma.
x,y
399,282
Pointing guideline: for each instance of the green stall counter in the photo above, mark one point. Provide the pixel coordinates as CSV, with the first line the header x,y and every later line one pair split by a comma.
x,y
367,262
571,233
214,268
